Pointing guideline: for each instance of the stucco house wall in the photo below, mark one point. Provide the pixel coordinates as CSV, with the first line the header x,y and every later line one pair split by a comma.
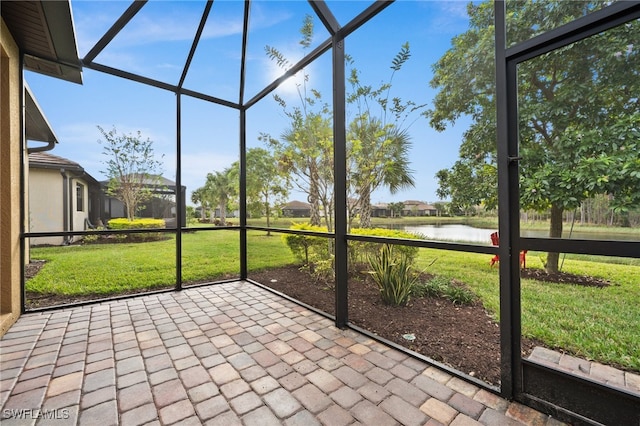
x,y
59,198
10,158
47,207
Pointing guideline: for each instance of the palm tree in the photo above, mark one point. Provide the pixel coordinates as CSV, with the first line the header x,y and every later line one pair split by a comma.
x,y
197,197
220,188
378,156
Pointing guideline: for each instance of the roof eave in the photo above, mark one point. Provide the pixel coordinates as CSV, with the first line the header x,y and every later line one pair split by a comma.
x,y
45,34
37,127
63,35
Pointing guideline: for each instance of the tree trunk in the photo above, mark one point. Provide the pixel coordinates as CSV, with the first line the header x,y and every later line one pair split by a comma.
x,y
555,231
223,212
328,215
268,213
365,207
314,200
131,211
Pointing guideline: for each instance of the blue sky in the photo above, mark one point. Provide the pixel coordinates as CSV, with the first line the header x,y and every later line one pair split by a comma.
x,y
156,44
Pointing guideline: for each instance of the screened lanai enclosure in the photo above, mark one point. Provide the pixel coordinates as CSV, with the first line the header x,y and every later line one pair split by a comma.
x,y
324,148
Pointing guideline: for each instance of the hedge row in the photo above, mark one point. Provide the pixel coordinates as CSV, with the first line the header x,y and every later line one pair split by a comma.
x,y
124,223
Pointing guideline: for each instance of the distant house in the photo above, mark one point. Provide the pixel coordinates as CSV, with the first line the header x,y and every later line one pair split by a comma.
x,y
62,197
418,208
380,210
162,204
296,209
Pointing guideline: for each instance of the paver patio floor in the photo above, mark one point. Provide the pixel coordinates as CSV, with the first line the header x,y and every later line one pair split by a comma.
x,y
227,354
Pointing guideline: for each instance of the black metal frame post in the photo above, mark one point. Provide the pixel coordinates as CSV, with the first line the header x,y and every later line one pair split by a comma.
x,y
244,261
509,208
178,192
243,195
340,178
566,396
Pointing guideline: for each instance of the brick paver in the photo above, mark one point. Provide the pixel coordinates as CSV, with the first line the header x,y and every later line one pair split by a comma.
x,y
604,373
232,354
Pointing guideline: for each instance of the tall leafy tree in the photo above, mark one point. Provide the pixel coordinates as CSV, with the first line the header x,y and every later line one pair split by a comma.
x,y
131,167
305,152
266,185
579,113
305,149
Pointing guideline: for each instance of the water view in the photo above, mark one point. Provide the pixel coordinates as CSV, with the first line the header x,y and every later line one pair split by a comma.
x,y
469,234
463,233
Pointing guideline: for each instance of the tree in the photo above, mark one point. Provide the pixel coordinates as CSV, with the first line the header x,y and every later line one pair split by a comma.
x,y
198,197
396,209
265,184
441,208
305,149
131,168
578,113
378,143
378,139
220,188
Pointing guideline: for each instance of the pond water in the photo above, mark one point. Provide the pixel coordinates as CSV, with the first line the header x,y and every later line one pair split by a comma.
x,y
469,234
464,233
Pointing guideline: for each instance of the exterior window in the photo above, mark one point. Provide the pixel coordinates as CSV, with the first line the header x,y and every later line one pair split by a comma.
x,y
79,197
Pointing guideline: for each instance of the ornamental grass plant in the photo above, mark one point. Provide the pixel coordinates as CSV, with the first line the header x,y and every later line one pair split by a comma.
x,y
393,274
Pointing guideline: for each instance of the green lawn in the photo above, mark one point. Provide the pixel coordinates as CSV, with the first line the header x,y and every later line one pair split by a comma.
x,y
104,269
596,323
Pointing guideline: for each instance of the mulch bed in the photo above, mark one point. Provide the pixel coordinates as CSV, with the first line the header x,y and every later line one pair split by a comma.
x,y
563,278
464,337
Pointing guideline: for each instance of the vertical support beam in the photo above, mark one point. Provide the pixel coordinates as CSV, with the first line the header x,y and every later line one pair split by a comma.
x,y
178,192
509,208
243,193
243,146
25,256
340,181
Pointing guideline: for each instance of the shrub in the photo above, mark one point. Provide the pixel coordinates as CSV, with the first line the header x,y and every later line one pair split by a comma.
x,y
124,224
305,246
442,287
361,251
92,239
435,287
392,273
316,253
460,295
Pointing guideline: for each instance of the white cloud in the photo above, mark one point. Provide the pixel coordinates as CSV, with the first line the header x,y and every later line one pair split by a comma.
x,y
455,9
446,17
176,22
